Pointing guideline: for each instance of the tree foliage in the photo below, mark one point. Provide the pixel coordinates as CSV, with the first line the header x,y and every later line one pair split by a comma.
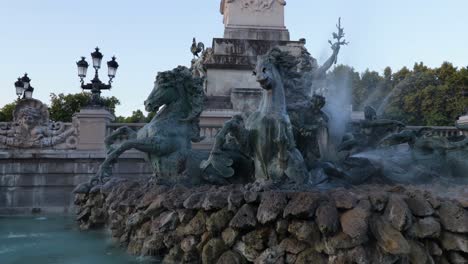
x,y
421,96
6,112
62,107
137,117
418,96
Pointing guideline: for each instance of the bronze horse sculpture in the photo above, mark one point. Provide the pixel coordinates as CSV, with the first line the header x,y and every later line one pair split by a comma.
x,y
266,136
167,140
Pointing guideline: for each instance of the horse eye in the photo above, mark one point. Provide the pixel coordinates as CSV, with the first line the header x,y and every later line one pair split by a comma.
x,y
254,73
264,70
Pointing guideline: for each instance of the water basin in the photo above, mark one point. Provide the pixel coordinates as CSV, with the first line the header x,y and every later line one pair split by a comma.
x,y
57,240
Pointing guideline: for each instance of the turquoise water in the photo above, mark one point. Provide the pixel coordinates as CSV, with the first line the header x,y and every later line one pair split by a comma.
x,y
56,240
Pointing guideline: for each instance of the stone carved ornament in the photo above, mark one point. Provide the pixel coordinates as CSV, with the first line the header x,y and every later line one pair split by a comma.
x,y
31,128
253,5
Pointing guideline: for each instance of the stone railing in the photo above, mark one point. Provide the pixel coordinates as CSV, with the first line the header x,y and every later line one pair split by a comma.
x,y
441,131
208,132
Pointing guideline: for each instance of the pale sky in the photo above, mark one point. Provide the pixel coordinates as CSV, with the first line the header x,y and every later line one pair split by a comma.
x,y
46,37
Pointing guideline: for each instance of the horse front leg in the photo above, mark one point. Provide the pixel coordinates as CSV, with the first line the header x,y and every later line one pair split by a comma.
x,y
122,131
105,170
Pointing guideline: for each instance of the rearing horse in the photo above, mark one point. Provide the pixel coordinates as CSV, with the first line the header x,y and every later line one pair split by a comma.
x,y
273,146
269,141
178,99
167,139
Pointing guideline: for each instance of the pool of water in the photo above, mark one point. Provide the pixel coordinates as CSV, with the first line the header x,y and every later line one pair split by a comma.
x,y
57,240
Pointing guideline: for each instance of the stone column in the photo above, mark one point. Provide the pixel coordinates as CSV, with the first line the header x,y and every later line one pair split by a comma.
x,y
462,124
92,128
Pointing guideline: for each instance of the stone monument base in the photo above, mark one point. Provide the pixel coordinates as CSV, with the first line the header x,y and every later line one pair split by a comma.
x,y
272,34
230,224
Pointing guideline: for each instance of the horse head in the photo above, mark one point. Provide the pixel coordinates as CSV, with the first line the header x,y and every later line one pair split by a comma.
x,y
177,87
274,67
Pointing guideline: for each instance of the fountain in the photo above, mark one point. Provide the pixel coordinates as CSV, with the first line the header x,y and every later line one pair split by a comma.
x,y
274,188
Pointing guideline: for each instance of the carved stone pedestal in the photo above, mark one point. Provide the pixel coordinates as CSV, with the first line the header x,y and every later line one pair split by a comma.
x,y
254,19
251,28
93,125
229,69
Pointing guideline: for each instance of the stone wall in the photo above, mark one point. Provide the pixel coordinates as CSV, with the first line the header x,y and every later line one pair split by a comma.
x,y
42,181
368,224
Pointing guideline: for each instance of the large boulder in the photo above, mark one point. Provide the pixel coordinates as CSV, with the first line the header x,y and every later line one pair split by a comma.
x,y
389,238
271,206
245,218
453,217
428,227
196,226
257,239
326,218
311,256
419,205
231,257
456,242
344,199
398,213
302,205
305,231
218,221
355,221
213,250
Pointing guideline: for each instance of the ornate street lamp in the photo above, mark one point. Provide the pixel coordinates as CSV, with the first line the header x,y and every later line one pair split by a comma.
x,y
82,68
23,87
29,92
112,67
96,85
25,79
19,86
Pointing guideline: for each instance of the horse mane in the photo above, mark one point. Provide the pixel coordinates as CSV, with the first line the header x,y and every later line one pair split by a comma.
x,y
284,61
295,82
181,78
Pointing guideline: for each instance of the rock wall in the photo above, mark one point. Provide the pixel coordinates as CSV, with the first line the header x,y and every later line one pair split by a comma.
x,y
230,224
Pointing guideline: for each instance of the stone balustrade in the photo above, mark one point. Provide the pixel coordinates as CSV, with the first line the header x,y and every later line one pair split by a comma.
x,y
208,133
441,131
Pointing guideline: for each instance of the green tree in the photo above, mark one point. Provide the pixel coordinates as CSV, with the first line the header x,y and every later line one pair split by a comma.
x,y
345,77
372,83
62,107
6,112
137,117
429,97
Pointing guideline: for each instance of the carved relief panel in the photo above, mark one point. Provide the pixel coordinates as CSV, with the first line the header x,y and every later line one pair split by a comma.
x,y
31,128
259,5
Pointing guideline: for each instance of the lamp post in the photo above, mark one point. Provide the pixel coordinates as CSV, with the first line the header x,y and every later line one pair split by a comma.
x,y
23,87
96,84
